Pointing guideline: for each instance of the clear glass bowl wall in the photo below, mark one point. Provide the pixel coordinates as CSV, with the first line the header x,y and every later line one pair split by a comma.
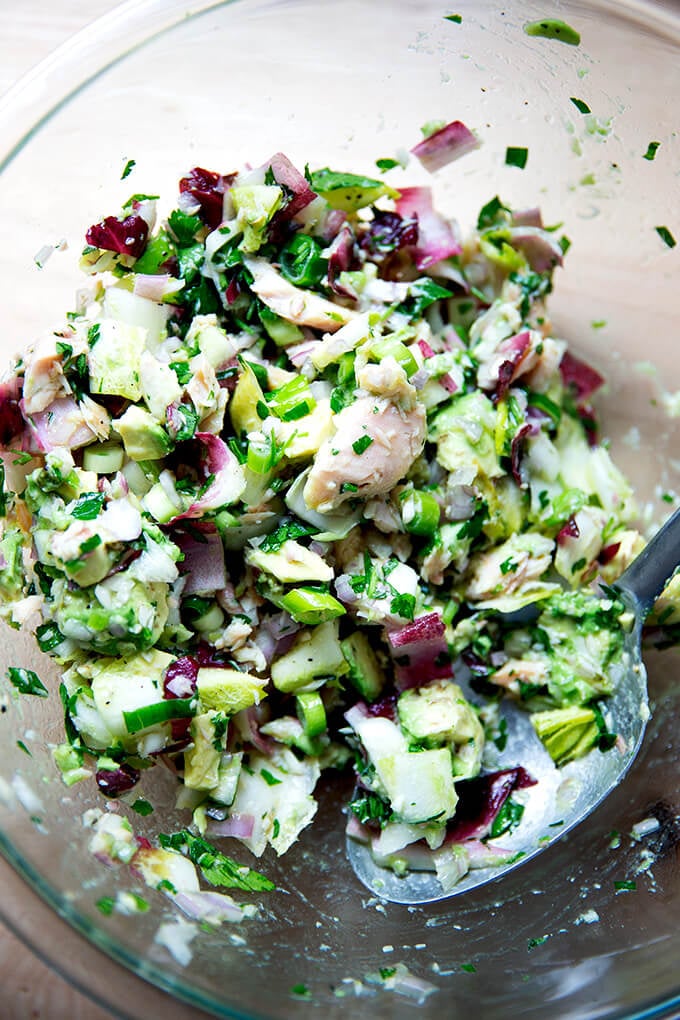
x,y
342,84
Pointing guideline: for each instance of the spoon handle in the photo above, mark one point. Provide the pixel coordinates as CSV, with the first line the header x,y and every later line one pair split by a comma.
x,y
648,574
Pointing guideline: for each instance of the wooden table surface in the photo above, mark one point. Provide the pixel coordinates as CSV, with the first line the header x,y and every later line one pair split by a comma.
x,y
31,29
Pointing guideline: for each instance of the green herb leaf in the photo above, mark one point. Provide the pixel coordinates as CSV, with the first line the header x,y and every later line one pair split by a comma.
x,y
105,905
361,444
508,818
184,227
88,506
128,168
26,681
21,457
532,943
216,867
289,530
404,606
580,105
651,150
327,180
269,778
386,164
457,19
666,236
142,807
182,371
628,885
516,156
49,636
369,807
492,213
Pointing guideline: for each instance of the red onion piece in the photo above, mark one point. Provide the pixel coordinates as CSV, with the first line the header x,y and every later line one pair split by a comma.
x,y
340,258
569,530
420,652
480,799
527,217
608,553
511,353
227,473
61,424
155,287
237,825
203,563
436,237
425,349
540,247
516,449
208,906
297,187
443,146
582,377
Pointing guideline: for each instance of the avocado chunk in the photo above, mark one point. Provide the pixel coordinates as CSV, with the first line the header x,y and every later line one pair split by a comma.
x,y
114,360
290,563
143,437
202,760
315,655
365,672
228,690
465,434
123,685
419,784
438,715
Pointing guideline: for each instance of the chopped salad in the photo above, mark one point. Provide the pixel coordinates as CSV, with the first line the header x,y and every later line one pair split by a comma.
x,y
297,454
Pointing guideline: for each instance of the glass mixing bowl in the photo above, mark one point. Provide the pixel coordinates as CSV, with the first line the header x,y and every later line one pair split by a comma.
x,y
341,84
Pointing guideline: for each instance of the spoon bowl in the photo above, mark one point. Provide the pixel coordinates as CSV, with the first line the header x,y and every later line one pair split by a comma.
x,y
561,797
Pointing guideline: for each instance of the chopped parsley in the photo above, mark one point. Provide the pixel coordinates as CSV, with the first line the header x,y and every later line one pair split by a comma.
x,y
216,867
361,444
142,807
532,943
26,681
403,605
457,19
386,164
88,506
516,156
627,885
651,150
287,531
128,168
580,105
269,778
666,236
105,905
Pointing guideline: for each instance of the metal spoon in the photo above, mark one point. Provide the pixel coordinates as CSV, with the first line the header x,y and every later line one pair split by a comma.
x,y
562,797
